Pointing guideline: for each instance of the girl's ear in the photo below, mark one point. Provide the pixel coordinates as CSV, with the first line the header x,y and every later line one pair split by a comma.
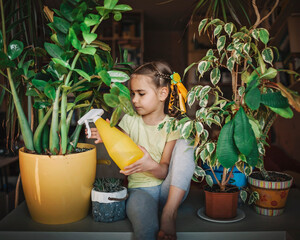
x,y
163,93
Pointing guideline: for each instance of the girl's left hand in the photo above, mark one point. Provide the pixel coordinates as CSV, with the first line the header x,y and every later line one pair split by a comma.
x,y
144,164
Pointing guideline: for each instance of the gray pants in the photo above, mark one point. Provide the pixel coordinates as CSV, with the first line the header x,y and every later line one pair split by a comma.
x,y
144,203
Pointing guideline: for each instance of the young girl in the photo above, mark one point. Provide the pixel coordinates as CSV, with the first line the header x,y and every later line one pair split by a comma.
x,y
161,178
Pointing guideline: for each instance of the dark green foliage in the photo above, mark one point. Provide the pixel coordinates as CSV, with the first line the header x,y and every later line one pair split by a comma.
x,y
108,184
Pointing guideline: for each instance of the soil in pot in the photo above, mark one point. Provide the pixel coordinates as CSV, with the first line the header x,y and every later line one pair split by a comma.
x,y
221,205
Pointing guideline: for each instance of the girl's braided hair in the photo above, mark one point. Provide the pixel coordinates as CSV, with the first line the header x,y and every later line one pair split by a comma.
x,y
160,72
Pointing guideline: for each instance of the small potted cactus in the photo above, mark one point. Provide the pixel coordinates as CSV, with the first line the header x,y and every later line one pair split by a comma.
x,y
108,200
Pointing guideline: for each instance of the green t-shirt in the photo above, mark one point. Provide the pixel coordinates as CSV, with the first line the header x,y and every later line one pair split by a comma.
x,y
152,139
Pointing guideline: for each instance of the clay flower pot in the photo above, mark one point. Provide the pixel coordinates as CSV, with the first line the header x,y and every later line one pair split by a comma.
x,y
272,194
221,205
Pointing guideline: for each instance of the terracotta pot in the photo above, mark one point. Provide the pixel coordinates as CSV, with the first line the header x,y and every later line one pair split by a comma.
x,y
221,205
272,195
57,189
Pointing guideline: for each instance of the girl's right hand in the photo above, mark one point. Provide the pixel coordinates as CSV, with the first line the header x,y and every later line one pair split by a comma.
x,y
95,134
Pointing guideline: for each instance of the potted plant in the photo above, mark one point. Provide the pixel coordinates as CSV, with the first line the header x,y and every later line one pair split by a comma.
x,y
232,132
53,166
108,200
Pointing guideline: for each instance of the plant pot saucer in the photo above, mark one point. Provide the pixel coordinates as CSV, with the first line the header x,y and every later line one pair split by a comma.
x,y
239,216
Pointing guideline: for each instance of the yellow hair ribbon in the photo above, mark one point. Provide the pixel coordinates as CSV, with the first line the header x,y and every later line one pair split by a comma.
x,y
182,91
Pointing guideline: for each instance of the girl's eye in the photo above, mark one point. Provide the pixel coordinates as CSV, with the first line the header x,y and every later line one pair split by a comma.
x,y
142,94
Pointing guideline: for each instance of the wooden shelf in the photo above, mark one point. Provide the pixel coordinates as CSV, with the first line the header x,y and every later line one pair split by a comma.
x,y
127,34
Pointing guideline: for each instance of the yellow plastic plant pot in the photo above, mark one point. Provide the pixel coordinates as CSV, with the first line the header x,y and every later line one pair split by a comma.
x,y
57,189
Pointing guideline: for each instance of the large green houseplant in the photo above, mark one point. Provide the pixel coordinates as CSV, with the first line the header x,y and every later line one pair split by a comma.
x,y
244,120
79,72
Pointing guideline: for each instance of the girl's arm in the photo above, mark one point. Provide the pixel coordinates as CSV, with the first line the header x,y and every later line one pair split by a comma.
x,y
147,164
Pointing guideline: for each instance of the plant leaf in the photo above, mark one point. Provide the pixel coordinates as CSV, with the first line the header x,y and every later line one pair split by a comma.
x,y
115,116
270,73
268,55
230,63
264,35
186,129
50,91
283,112
253,98
203,66
252,158
14,49
123,89
229,28
275,100
221,43
53,50
73,39
105,77
89,37
215,75
217,30
83,74
111,100
227,152
118,76
88,50
244,137
202,25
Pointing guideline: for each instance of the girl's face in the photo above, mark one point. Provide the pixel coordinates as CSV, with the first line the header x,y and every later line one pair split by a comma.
x,y
145,96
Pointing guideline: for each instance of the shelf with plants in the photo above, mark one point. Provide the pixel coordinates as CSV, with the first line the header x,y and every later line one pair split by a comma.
x,y
126,35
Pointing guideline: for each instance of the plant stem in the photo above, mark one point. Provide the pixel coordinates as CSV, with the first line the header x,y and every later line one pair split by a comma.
x,y
24,125
223,181
64,126
40,129
54,138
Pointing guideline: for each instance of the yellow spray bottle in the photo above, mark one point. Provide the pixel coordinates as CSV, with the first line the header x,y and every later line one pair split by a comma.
x,y
119,146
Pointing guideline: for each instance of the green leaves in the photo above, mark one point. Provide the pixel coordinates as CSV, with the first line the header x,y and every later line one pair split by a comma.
x,y
217,30
88,50
269,74
252,98
91,19
61,24
202,25
244,137
111,100
73,39
229,28
275,100
227,152
83,74
230,63
186,129
89,37
221,43
264,35
118,76
105,77
53,50
215,76
203,66
283,112
14,49
268,55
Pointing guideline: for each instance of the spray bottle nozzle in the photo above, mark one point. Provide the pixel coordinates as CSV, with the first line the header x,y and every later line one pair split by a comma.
x,y
91,116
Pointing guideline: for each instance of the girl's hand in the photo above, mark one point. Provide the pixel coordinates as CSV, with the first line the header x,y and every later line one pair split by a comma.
x,y
146,163
95,134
